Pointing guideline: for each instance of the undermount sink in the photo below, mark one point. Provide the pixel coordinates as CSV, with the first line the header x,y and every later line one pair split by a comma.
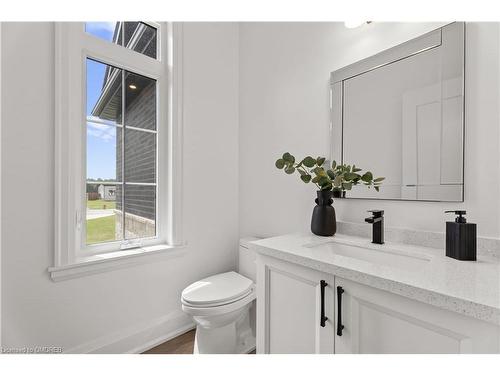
x,y
383,256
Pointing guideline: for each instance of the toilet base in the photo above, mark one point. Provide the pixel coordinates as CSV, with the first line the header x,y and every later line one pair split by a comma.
x,y
235,338
223,340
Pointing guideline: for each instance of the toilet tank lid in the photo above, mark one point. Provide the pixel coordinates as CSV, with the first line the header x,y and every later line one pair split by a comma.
x,y
245,241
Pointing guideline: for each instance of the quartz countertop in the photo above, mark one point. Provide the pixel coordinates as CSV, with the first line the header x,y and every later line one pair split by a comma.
x,y
466,287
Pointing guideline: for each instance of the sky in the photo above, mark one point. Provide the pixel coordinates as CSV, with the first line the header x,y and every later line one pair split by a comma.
x,y
101,139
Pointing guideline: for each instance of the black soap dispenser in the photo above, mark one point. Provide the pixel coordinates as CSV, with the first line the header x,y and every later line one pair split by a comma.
x,y
460,238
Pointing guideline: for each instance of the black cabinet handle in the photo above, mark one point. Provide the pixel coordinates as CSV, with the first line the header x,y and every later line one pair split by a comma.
x,y
340,326
323,318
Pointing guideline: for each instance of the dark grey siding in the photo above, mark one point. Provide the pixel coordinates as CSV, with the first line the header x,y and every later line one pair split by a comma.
x,y
140,148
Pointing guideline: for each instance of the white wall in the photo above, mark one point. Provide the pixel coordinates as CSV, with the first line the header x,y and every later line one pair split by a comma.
x,y
75,313
282,86
284,83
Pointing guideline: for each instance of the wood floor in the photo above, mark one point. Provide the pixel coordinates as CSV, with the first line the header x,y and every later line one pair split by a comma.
x,y
182,344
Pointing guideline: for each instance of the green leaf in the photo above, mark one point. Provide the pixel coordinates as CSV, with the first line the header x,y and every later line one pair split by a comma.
x,y
334,164
330,174
306,178
346,186
350,176
367,177
377,188
337,181
280,163
324,181
354,169
320,161
301,172
379,179
315,179
309,162
326,187
319,171
287,157
289,170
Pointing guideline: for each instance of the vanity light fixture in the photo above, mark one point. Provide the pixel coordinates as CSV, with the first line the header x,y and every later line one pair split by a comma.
x,y
352,24
133,87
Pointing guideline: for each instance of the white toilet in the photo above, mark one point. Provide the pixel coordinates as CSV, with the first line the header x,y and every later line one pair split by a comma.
x,y
223,307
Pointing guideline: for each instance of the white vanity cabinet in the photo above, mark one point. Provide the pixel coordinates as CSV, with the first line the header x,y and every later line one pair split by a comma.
x,y
289,308
374,321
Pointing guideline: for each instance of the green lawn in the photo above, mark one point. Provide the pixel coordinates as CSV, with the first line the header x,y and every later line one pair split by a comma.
x,y
101,229
99,204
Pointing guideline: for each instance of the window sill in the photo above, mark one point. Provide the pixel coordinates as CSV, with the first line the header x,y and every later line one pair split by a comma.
x,y
115,260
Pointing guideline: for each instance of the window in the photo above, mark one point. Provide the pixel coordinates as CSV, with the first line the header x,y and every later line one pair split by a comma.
x,y
118,122
121,154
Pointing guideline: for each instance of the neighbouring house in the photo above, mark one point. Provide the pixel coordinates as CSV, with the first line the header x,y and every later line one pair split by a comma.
x,y
107,192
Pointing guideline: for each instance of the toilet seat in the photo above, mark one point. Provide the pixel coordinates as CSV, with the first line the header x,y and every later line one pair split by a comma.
x,y
217,290
224,303
220,309
218,294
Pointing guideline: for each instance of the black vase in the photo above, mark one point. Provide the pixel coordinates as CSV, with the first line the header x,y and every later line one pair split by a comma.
x,y
323,221
338,193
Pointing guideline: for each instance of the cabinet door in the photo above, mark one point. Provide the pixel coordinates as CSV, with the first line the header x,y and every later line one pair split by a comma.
x,y
376,321
289,301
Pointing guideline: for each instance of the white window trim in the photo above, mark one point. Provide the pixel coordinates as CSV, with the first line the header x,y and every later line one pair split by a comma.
x,y
72,46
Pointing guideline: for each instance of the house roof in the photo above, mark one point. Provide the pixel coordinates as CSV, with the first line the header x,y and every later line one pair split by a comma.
x,y
138,37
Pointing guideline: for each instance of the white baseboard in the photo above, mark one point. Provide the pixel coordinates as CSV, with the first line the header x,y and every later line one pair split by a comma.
x,y
139,338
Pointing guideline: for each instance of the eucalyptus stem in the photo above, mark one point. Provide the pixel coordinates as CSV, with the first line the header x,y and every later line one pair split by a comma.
x,y
337,177
306,172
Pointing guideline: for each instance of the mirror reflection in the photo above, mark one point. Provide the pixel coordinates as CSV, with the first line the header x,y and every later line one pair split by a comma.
x,y
408,104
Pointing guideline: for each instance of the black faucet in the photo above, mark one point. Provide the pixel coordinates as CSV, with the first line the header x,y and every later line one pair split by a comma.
x,y
377,219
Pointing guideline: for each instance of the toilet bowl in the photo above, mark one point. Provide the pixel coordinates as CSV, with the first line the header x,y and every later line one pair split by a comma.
x,y
222,307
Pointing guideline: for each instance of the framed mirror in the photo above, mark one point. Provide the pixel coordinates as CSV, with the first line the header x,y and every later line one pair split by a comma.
x,y
400,114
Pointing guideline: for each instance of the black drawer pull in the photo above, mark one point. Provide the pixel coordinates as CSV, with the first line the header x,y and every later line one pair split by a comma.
x,y
340,326
323,318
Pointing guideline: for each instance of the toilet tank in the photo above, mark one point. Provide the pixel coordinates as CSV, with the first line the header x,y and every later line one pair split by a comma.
x,y
246,259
